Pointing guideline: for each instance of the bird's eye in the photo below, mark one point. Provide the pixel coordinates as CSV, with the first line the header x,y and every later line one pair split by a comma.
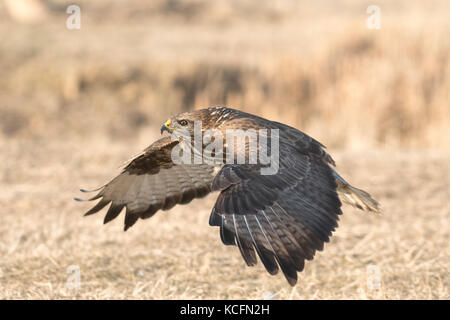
x,y
183,123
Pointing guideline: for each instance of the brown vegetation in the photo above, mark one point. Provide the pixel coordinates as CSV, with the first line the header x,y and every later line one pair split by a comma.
x,y
321,71
76,104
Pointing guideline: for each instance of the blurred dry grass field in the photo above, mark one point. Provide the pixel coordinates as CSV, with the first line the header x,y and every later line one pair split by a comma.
x,y
75,104
314,66
177,255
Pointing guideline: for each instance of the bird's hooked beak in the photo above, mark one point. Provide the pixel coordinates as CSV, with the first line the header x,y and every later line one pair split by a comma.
x,y
166,127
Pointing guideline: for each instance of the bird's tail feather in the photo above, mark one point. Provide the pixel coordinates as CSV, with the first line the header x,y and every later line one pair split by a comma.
x,y
356,197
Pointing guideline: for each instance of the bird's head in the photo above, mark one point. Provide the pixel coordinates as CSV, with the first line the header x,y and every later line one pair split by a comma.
x,y
186,121
183,121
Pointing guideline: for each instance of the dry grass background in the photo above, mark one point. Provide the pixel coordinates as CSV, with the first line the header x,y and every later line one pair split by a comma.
x,y
75,104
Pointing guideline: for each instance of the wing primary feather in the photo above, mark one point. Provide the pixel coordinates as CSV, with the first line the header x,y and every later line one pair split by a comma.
x,y
267,239
314,241
292,228
130,220
289,272
291,244
266,256
215,219
113,211
151,210
97,196
246,250
99,206
87,191
226,235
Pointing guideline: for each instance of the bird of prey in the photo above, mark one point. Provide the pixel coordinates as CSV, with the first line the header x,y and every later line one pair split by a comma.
x,y
283,218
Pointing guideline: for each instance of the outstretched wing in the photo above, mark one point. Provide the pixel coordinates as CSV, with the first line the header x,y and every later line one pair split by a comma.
x,y
150,182
284,217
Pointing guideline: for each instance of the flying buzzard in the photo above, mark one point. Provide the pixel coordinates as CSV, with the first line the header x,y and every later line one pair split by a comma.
x,y
282,217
